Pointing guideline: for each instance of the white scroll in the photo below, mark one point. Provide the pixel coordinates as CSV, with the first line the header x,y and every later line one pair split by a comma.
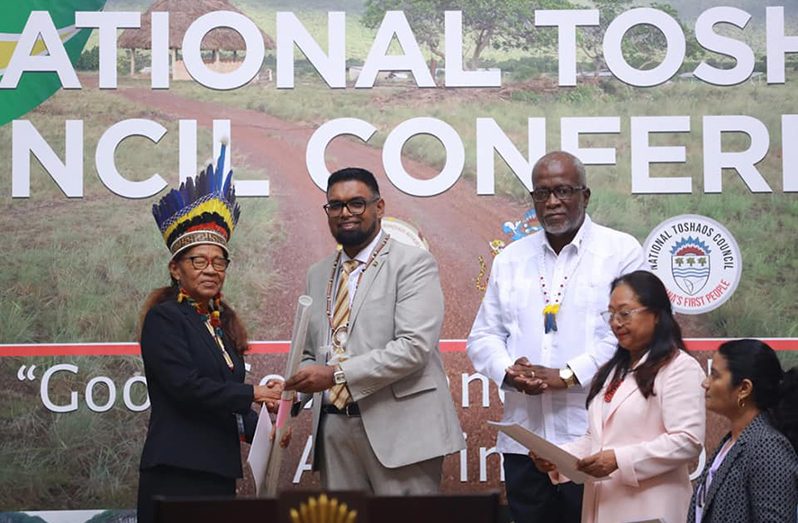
x,y
268,487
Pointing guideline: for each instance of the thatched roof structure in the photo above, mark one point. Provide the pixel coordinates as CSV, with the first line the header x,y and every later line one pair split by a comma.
x,y
182,14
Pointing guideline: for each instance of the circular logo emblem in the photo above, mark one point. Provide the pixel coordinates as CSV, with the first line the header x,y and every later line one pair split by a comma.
x,y
404,232
697,259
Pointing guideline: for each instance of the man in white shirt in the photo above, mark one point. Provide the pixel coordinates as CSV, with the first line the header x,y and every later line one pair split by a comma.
x,y
539,334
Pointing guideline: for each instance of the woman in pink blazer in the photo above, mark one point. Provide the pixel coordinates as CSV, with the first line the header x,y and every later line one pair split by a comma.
x,y
646,416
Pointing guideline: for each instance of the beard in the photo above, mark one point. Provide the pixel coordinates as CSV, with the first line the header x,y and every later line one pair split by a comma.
x,y
567,225
356,237
558,228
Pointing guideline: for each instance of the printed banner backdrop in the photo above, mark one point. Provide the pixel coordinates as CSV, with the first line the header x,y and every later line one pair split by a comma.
x,y
35,88
684,115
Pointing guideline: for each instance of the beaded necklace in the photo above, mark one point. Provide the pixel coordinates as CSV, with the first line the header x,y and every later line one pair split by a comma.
x,y
212,316
615,384
329,293
553,299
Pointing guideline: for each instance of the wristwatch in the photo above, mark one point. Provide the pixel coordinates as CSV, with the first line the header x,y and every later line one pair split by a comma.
x,y
568,376
338,376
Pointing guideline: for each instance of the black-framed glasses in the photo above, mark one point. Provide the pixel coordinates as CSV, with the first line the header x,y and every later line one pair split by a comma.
x,y
622,317
218,263
356,206
561,192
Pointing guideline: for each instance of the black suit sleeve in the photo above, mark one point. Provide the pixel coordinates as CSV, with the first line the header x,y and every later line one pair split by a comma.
x,y
250,423
169,359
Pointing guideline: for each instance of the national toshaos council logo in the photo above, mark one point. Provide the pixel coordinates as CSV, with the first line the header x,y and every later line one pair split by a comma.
x,y
690,264
698,260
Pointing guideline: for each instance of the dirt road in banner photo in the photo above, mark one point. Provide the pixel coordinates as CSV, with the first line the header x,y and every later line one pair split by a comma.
x,y
458,224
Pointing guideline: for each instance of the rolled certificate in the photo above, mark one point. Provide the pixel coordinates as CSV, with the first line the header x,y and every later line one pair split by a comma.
x,y
283,422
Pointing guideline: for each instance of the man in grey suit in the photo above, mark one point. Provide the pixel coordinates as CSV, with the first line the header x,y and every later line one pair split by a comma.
x,y
383,417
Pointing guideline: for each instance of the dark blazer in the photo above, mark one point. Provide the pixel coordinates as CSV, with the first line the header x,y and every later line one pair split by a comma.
x,y
757,481
193,394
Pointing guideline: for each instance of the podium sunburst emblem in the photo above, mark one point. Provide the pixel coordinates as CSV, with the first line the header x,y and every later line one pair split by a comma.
x,y
323,509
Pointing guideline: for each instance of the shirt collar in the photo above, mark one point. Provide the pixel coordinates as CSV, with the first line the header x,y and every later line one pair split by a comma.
x,y
642,360
364,255
581,236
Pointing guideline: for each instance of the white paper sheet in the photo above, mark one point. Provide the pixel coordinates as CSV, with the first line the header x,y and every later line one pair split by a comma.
x,y
565,461
261,448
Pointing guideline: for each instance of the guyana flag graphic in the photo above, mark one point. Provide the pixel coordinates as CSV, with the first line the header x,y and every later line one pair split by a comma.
x,y
36,87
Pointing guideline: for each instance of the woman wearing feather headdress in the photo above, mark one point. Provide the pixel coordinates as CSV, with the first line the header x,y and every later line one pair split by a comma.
x,y
192,344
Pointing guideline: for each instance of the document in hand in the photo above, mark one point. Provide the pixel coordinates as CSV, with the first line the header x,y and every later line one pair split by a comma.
x,y
260,449
565,461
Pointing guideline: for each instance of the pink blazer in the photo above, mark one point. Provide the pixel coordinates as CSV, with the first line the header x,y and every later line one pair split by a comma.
x,y
654,441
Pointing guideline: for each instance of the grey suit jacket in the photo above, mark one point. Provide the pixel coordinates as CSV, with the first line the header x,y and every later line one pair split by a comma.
x,y
394,373
756,483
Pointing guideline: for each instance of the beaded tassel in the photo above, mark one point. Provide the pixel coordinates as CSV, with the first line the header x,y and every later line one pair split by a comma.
x,y
550,317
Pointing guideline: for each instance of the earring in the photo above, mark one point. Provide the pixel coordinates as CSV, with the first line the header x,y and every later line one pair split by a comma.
x,y
740,402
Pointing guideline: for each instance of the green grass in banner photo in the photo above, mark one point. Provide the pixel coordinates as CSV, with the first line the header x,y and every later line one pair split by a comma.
x,y
79,459
78,270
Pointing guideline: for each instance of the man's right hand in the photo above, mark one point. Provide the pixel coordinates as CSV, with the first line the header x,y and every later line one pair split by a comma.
x,y
311,378
521,376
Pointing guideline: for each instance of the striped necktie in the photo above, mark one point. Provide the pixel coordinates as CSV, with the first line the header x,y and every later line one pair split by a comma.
x,y
339,394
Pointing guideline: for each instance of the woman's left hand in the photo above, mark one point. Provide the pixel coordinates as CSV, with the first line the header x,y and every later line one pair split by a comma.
x,y
599,465
541,464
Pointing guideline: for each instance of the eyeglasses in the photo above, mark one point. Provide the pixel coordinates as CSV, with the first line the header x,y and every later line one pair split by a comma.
x,y
561,192
219,263
622,317
356,206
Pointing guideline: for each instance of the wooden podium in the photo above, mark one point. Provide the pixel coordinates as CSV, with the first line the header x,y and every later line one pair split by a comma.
x,y
479,508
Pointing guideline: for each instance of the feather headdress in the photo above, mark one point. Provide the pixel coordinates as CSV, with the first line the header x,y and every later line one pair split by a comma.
x,y
203,210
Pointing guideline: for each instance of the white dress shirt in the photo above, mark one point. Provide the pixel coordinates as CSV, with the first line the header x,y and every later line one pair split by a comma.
x,y
509,323
363,257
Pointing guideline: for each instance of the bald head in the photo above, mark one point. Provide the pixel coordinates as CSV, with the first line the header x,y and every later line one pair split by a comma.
x,y
560,161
